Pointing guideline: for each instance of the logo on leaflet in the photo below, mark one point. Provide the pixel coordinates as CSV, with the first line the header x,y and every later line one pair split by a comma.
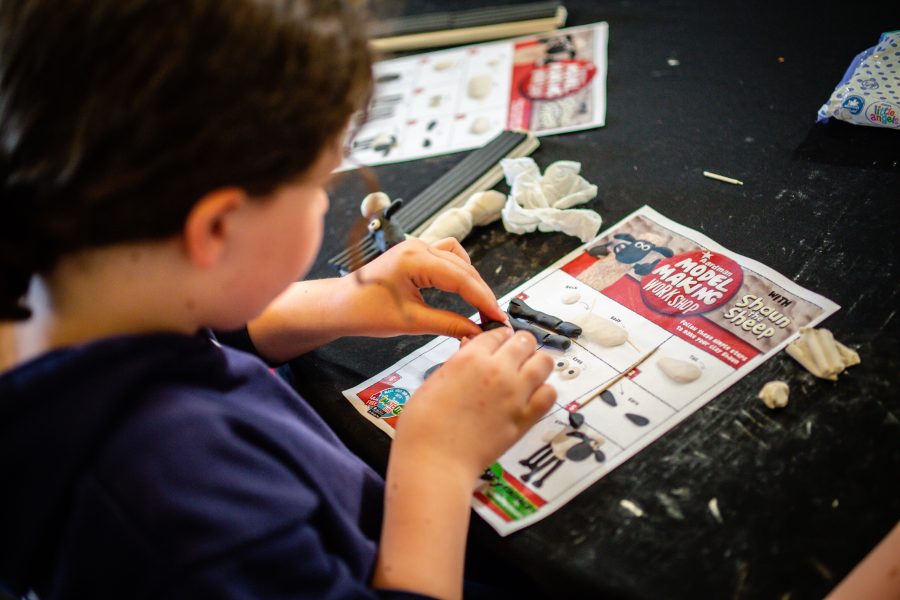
x,y
691,283
388,402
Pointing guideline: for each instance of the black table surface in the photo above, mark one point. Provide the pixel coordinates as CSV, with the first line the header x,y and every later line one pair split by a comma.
x,y
804,492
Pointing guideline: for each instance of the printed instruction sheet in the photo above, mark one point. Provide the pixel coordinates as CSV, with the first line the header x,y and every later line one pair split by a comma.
x,y
702,316
459,99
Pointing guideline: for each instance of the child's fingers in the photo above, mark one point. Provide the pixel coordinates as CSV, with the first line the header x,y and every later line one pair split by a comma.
x,y
452,245
517,349
460,257
488,342
464,263
442,322
536,369
538,404
450,276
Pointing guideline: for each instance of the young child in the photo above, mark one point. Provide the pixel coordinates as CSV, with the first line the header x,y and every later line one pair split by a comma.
x,y
163,166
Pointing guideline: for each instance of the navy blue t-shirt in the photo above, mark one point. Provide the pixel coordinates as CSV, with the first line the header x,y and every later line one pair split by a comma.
x,y
166,466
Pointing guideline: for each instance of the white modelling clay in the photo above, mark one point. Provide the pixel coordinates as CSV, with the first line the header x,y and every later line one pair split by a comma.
x,y
479,86
485,206
821,354
560,364
454,222
480,209
600,330
680,371
571,372
775,394
374,202
571,296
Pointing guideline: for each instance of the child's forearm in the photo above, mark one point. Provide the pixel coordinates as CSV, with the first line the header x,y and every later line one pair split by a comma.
x,y
425,526
307,315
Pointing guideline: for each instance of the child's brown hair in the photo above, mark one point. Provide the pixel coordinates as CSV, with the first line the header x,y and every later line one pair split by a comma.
x,y
116,116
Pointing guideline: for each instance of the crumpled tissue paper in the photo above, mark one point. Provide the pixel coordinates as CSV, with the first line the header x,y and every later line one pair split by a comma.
x,y
544,203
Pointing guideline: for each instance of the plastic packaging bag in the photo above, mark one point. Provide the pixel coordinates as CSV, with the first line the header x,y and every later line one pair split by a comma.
x,y
869,93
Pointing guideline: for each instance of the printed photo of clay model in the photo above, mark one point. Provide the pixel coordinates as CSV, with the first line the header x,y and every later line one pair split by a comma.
x,y
633,250
566,443
556,454
570,109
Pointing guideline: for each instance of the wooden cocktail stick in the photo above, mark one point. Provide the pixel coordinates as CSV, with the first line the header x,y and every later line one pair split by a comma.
x,y
718,177
619,377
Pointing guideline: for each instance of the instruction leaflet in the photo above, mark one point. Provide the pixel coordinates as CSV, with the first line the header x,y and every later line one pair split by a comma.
x,y
453,100
705,316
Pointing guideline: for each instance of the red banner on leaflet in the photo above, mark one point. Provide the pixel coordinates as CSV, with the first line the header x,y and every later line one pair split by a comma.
x,y
519,116
699,331
578,264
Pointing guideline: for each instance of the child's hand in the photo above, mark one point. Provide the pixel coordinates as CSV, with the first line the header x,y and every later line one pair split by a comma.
x,y
389,302
382,300
478,404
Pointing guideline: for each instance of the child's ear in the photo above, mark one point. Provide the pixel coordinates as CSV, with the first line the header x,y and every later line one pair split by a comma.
x,y
208,225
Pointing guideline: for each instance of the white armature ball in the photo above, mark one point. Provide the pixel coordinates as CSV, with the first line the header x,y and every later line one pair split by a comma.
x,y
454,222
374,202
485,206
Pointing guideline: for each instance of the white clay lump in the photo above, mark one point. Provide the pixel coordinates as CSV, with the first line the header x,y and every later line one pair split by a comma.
x,y
480,209
485,206
680,371
600,330
571,372
570,297
775,394
560,364
821,354
374,202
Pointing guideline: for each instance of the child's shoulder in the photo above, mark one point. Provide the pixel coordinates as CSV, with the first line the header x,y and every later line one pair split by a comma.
x,y
179,450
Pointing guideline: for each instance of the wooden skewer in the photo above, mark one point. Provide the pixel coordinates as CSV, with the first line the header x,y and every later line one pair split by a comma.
x,y
618,377
718,177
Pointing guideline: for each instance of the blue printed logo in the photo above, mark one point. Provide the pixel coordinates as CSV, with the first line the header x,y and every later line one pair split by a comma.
x,y
388,403
853,104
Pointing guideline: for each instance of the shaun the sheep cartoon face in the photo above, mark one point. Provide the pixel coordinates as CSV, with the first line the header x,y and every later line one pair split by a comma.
x,y
630,250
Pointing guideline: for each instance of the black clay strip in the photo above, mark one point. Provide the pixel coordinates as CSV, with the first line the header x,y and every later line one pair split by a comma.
x,y
488,325
551,340
519,309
